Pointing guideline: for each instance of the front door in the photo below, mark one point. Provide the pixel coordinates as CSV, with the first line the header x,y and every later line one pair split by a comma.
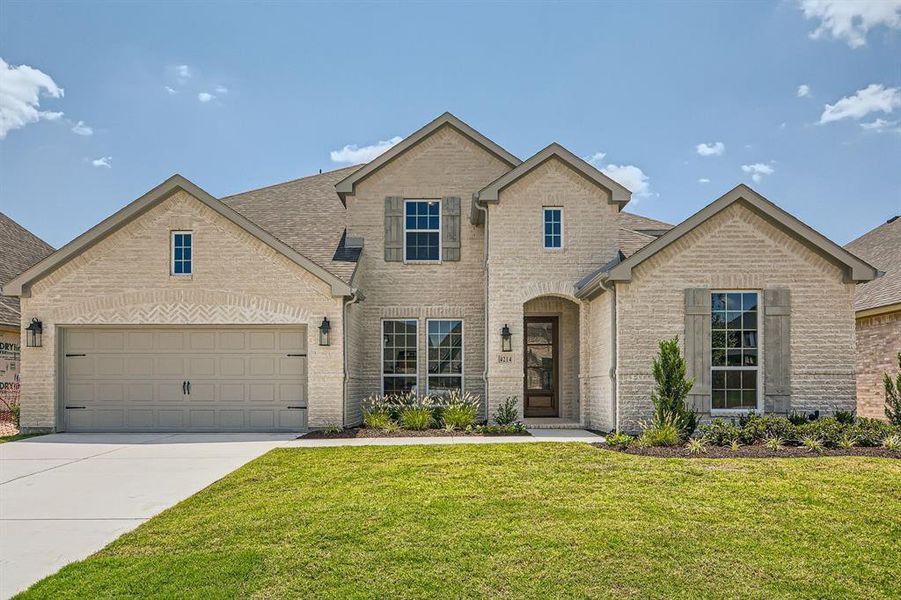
x,y
541,368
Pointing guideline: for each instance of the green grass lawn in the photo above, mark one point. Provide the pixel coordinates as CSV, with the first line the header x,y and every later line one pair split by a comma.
x,y
514,520
18,436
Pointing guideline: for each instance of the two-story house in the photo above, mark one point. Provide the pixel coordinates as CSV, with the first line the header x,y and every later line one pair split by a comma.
x,y
447,262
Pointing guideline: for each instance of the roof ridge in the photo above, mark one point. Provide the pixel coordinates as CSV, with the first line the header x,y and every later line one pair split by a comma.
x,y
273,185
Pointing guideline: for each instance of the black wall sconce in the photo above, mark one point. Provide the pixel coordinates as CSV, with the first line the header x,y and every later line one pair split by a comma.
x,y
324,330
33,333
506,339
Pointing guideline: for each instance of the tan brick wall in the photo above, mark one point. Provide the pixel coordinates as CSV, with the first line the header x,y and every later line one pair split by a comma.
x,y
878,344
356,385
738,249
124,279
520,269
444,164
599,411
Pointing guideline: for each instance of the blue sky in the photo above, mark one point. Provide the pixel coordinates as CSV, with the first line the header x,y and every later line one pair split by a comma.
x,y
637,87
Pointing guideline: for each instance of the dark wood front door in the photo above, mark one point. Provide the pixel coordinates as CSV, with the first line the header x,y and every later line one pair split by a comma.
x,y
541,367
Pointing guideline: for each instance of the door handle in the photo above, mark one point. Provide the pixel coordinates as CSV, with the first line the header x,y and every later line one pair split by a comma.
x,y
184,388
189,388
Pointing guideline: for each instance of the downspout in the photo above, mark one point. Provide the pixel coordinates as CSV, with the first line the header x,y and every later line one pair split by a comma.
x,y
487,281
352,299
611,287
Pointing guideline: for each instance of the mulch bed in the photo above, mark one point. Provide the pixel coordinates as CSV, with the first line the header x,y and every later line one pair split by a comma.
x,y
365,432
753,452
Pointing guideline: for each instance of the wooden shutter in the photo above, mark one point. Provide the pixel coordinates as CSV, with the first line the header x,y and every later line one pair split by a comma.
x,y
394,229
777,350
450,228
697,347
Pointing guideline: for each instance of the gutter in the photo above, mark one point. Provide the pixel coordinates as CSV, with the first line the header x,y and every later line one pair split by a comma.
x,y
479,206
355,296
611,287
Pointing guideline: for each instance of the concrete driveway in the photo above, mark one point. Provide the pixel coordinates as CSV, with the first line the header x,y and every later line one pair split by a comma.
x,y
65,496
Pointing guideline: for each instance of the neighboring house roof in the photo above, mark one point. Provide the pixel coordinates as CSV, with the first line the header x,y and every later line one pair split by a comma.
x,y
880,247
19,285
307,215
618,193
345,187
855,269
19,250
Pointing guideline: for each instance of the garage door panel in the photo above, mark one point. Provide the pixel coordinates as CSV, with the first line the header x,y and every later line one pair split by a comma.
x,y
241,379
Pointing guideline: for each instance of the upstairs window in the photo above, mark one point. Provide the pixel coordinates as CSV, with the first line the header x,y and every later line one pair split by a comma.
x,y
734,351
553,227
182,242
422,231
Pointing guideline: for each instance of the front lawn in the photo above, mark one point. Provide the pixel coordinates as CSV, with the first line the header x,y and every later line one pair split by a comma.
x,y
514,520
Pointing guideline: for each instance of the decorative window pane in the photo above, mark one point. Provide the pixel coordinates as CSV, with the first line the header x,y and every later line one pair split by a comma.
x,y
734,347
445,361
553,227
422,230
181,253
399,365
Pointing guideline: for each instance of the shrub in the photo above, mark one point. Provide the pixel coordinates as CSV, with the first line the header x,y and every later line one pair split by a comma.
x,y
620,440
892,442
506,413
719,432
757,428
459,410
893,396
660,433
812,443
498,429
797,418
416,418
847,441
734,445
333,429
845,417
774,443
828,430
672,389
378,419
696,446
870,432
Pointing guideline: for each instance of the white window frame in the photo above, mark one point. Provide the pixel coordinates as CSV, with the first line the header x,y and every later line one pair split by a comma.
x,y
172,235
544,211
758,368
382,374
462,354
440,225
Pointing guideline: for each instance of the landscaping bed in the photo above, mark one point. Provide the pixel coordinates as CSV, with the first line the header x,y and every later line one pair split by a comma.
x,y
755,451
370,432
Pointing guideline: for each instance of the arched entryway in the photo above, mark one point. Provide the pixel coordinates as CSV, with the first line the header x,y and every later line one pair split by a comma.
x,y
551,358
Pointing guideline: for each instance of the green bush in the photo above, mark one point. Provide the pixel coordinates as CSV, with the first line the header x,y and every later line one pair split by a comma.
x,y
893,396
620,440
845,417
459,410
672,388
812,443
847,441
416,418
756,428
774,443
660,433
498,429
719,432
380,419
797,418
828,430
696,446
506,413
892,442
870,432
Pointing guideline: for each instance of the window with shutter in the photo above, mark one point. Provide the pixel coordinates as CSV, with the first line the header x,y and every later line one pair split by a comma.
x,y
734,344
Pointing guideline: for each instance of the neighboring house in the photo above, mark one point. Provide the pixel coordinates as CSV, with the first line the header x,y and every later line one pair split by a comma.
x,y
878,307
446,262
19,249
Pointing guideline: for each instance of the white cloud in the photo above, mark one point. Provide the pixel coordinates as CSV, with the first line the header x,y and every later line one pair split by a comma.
x,y
803,91
183,73
873,98
851,20
883,126
758,170
595,159
103,161
221,89
703,180
355,155
714,149
81,128
21,89
205,97
631,177
170,90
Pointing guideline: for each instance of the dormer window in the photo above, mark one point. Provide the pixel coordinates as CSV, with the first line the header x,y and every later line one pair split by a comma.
x,y
553,227
182,246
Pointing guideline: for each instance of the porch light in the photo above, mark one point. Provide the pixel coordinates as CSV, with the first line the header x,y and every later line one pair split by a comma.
x,y
324,331
34,333
506,339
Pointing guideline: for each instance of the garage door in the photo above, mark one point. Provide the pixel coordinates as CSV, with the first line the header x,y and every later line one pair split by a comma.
x,y
184,379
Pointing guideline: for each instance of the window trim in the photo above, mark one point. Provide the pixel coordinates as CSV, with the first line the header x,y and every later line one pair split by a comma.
x,y
462,375
382,374
544,211
439,231
758,368
172,235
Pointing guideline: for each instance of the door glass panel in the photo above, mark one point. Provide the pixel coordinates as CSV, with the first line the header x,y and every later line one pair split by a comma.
x,y
539,333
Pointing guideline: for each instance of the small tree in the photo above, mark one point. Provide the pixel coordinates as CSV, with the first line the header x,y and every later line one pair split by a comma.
x,y
893,396
672,389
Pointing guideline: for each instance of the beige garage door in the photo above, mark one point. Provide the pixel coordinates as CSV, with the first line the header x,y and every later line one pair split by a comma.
x,y
184,379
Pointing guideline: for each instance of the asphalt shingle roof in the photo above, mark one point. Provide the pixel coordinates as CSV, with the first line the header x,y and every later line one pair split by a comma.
x,y
881,248
19,250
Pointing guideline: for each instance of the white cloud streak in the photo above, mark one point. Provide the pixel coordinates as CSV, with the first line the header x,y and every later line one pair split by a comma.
x,y
873,98
714,149
21,89
595,159
183,73
632,177
703,180
758,170
803,91
81,128
882,126
205,97
851,20
103,161
170,90
355,155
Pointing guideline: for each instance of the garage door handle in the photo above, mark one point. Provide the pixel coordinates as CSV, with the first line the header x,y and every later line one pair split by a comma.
x,y
71,355
75,407
184,388
297,407
189,388
297,355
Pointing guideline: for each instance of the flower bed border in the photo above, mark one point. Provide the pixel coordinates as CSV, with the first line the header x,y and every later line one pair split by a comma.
x,y
371,433
754,451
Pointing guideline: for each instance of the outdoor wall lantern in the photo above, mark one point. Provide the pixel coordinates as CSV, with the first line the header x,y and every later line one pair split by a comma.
x,y
324,332
506,339
34,333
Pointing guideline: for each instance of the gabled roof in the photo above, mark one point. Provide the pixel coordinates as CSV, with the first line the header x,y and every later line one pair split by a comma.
x,y
345,187
307,215
618,193
882,248
19,249
20,285
855,269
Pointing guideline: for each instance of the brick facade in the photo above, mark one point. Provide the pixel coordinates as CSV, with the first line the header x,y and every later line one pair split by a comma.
x,y
878,344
